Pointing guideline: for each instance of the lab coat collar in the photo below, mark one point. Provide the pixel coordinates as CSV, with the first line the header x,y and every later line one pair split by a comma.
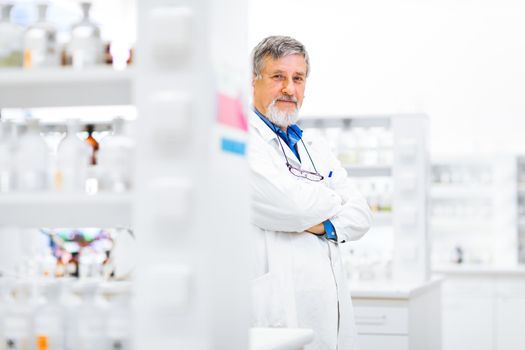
x,y
261,127
269,135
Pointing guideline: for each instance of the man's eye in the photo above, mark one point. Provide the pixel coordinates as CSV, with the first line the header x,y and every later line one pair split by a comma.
x,y
299,79
277,76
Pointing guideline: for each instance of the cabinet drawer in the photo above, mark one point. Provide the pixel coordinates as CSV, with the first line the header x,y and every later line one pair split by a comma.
x,y
381,320
382,342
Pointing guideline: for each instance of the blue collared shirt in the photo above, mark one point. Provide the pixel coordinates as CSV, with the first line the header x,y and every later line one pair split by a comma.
x,y
292,136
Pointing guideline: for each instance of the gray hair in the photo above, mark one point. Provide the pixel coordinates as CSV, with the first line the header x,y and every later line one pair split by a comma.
x,y
277,47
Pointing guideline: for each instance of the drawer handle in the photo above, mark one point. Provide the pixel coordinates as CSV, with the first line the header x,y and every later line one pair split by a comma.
x,y
371,320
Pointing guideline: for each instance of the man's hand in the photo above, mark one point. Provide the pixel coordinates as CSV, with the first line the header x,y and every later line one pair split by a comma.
x,y
317,229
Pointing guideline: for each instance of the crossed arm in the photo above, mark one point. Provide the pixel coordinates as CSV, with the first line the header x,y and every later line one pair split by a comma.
x,y
281,203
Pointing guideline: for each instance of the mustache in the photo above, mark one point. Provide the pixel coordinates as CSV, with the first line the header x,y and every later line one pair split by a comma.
x,y
287,98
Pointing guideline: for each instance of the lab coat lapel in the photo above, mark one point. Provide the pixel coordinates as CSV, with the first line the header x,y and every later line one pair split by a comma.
x,y
270,137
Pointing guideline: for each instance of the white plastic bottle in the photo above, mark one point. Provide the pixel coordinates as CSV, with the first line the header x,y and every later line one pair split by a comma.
x,y
40,42
49,319
72,160
115,158
32,160
18,317
11,37
90,319
120,318
70,304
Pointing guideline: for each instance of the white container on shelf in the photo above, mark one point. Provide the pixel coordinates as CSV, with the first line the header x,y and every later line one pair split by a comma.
x,y
6,158
11,36
91,317
49,319
115,159
85,48
17,321
73,159
32,160
40,42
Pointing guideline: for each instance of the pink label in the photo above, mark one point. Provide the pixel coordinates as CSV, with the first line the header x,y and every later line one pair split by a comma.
x,y
231,112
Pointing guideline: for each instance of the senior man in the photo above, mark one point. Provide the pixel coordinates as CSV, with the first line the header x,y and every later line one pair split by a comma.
x,y
304,206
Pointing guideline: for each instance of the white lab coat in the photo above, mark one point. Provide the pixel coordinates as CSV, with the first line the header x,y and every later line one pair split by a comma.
x,y
299,278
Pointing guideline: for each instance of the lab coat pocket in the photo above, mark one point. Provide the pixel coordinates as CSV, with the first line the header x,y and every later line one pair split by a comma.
x,y
268,310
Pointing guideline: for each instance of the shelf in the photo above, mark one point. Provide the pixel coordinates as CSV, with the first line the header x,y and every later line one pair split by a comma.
x,y
459,191
65,210
56,87
368,170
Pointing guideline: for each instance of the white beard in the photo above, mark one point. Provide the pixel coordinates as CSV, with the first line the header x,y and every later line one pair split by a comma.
x,y
280,118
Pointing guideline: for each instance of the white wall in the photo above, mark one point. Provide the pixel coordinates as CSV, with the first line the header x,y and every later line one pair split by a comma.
x,y
462,62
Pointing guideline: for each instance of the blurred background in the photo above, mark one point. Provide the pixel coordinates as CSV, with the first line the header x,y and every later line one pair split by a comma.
x,y
104,178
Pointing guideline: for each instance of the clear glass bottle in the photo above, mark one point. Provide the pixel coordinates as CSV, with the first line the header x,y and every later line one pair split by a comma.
x,y
73,159
32,160
11,39
115,158
49,319
86,47
40,42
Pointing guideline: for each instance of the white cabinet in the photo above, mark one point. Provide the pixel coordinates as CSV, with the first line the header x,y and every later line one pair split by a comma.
x,y
398,317
380,342
483,308
467,323
510,334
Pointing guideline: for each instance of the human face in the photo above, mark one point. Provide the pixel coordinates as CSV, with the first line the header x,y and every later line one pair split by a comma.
x,y
282,83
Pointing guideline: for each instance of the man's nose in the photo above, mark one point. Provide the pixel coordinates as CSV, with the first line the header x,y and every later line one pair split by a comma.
x,y
288,87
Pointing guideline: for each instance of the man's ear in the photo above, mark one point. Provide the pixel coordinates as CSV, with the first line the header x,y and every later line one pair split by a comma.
x,y
254,77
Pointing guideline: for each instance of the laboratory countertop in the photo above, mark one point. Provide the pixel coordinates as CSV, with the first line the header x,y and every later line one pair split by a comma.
x,y
280,338
517,270
387,289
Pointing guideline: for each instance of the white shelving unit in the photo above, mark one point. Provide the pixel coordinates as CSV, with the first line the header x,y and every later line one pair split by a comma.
x,y
65,87
48,210
189,54
474,210
408,173
62,87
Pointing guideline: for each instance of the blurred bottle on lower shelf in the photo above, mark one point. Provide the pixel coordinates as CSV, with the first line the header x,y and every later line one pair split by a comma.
x,y
11,36
73,160
115,159
17,319
119,318
90,319
49,319
32,160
